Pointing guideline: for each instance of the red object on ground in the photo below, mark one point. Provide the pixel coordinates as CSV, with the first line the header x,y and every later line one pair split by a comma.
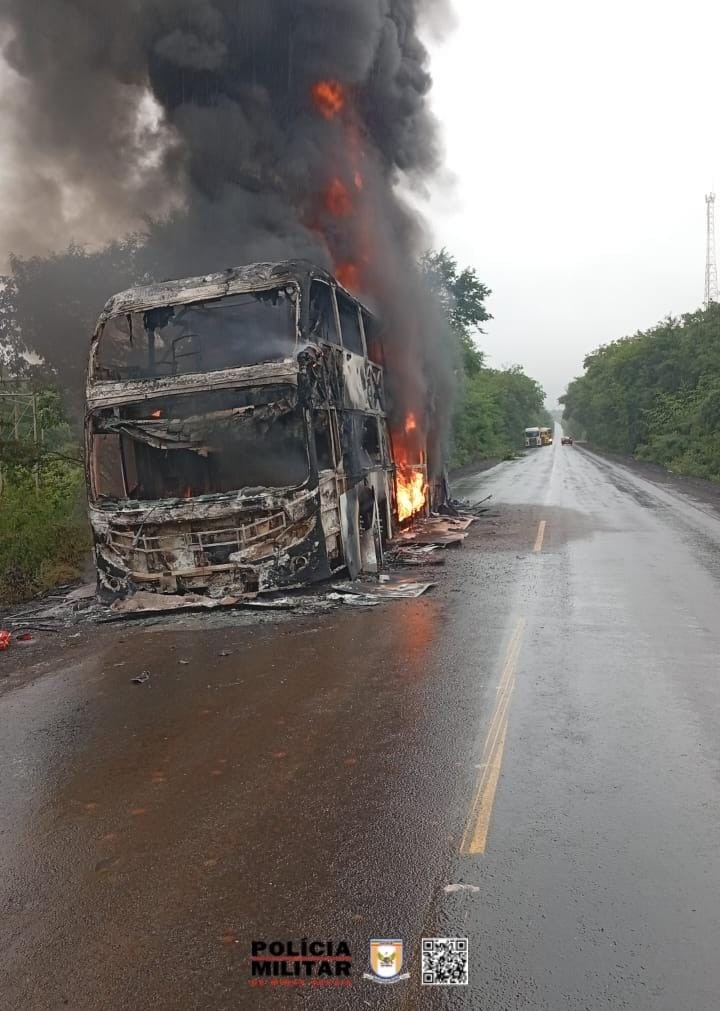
x,y
24,637
4,639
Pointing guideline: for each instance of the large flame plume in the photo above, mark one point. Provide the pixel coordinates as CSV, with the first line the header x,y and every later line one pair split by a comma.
x,y
345,200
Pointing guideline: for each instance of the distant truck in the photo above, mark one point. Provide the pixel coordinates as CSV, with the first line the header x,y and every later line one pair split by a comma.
x,y
533,438
546,436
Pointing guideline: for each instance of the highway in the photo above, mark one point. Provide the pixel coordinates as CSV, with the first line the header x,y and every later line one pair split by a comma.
x,y
527,757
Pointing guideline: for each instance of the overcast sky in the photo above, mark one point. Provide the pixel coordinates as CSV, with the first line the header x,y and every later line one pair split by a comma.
x,y
583,138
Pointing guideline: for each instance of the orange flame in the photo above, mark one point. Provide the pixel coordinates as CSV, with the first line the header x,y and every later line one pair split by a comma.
x,y
337,199
156,414
344,196
411,491
329,98
348,274
411,488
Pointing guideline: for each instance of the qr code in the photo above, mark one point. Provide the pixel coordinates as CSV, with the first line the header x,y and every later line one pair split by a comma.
x,y
444,961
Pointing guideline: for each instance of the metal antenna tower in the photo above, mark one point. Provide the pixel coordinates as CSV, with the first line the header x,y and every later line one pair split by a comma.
x,y
711,280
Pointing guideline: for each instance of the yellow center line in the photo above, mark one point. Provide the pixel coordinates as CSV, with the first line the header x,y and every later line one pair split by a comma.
x,y
478,843
487,754
540,536
474,838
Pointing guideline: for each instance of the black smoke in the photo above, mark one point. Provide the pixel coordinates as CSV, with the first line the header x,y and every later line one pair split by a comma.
x,y
198,114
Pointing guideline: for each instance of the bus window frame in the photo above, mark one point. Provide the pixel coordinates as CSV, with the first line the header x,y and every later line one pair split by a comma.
x,y
358,309
95,347
363,313
334,434
336,313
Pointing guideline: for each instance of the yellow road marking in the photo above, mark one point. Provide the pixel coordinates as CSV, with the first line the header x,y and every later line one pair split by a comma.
x,y
478,843
475,836
540,536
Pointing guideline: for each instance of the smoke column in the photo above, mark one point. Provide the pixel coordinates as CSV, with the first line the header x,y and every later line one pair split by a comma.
x,y
265,129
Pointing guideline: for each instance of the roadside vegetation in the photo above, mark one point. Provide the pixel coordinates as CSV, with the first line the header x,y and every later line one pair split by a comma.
x,y
493,406
44,537
655,395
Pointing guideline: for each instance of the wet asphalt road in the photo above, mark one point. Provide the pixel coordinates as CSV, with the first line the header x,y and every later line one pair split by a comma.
x,y
553,703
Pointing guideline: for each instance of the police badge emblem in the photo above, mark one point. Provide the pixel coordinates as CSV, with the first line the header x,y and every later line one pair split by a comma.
x,y
386,960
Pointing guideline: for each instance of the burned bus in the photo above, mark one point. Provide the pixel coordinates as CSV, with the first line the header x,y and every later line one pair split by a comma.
x,y
236,434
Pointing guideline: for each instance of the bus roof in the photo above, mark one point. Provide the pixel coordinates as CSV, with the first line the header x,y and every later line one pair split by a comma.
x,y
234,280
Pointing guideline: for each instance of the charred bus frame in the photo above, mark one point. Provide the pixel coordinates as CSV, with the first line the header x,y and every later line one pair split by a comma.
x,y
236,434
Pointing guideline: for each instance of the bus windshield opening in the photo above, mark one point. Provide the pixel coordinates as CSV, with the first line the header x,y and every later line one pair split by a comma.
x,y
212,443
226,333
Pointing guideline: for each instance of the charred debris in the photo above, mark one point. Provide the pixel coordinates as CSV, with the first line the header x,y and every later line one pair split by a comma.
x,y
240,443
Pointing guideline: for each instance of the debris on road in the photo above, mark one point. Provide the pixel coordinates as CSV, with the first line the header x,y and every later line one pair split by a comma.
x,y
352,599
84,592
142,603
416,556
474,508
141,679
147,602
438,531
450,889
5,638
396,588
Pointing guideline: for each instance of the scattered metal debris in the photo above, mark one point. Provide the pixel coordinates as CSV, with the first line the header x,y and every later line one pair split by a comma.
x,y
152,603
450,889
84,592
417,555
353,600
436,531
141,679
394,589
463,507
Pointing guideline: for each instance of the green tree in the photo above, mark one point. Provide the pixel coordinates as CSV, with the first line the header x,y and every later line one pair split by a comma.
x,y
655,395
44,536
462,297
493,406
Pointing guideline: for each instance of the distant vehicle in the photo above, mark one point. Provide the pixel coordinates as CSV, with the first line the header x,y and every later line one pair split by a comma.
x,y
546,436
567,440
532,438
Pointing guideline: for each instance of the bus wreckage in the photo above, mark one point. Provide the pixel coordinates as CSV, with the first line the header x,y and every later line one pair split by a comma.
x,y
237,439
